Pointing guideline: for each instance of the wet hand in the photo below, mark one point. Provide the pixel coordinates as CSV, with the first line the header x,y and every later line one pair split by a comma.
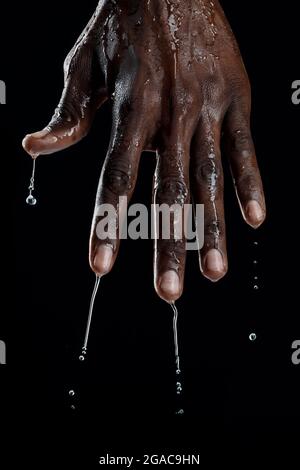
x,y
176,81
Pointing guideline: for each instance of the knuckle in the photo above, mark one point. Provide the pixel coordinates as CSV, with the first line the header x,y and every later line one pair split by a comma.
x,y
71,108
118,180
171,191
241,141
65,113
209,172
242,136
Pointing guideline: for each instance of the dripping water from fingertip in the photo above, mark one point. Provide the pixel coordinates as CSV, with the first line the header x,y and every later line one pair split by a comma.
x,y
179,388
83,354
72,394
31,200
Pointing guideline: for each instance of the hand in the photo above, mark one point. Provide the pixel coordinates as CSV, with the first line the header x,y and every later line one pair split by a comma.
x,y
174,74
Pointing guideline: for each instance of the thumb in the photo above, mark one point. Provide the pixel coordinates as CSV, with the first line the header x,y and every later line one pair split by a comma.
x,y
77,107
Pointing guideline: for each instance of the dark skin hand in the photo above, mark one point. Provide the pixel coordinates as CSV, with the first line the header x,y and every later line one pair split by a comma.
x,y
173,72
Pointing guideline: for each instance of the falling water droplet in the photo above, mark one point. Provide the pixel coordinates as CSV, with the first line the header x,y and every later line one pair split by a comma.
x,y
71,393
81,358
255,243
255,287
31,200
178,388
252,336
180,412
255,262
73,407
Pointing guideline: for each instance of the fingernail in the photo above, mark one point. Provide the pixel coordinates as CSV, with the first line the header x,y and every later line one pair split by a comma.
x,y
214,264
103,259
254,212
170,283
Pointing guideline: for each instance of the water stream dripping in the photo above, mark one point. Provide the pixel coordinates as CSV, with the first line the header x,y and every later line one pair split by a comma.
x,y
31,200
180,410
89,320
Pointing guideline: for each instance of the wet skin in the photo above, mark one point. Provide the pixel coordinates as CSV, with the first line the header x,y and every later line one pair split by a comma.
x,y
176,81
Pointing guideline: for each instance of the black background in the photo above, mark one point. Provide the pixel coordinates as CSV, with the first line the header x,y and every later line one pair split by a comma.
x,y
238,394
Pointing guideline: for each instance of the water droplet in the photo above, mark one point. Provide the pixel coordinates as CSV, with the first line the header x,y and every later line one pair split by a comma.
x,y
31,200
255,243
73,407
255,287
178,388
71,393
180,412
252,336
81,358
255,262
255,278
178,371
